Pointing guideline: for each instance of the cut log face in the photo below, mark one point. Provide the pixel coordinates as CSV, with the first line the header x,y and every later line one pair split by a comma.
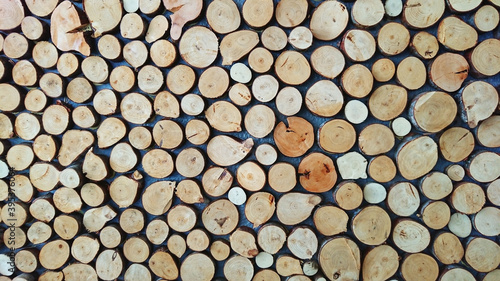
x,y
64,24
447,248
478,100
417,157
322,27
340,259
317,173
423,13
419,267
380,263
456,35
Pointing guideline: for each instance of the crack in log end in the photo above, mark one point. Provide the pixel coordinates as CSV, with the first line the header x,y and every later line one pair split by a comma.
x,y
286,60
306,174
414,5
221,221
327,168
222,175
176,8
462,71
290,131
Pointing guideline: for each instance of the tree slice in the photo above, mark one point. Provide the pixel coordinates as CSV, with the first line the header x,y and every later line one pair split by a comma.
x,y
282,177
317,173
383,70
435,215
454,273
12,99
67,200
352,165
424,45
393,38
237,44
20,157
358,45
95,167
487,132
85,248
259,208
302,242
44,176
109,47
251,176
105,102
216,181
486,221
478,100
51,275
122,78
260,59
493,192
492,275
16,46
274,38
157,231
265,88
300,38
468,198
455,172
220,250
271,238
95,218
462,6
150,79
25,73
289,101
223,16
460,225
436,185
197,266
85,117
41,8
287,265
411,73
243,242
183,12
433,111
292,68
374,193
357,81
35,100
241,73
330,220
340,259
237,196
484,58
163,53
380,263
264,260
111,236
421,14
238,150
260,120
447,248
293,208
135,53
403,199
290,13
456,35
393,8
45,54
382,169
484,166
7,126
109,264
486,18
39,232
136,249
136,108
387,102
74,143
166,105
324,98
416,157
197,240
26,260
27,126
180,79
157,28
54,254
419,267
258,13
367,13
123,158
375,139
104,16
137,271
124,190
213,82
348,195
238,268
158,163
67,226
224,116
410,236
456,143
198,53
482,254
220,217
190,162
177,245
65,22
329,20
327,61
448,71
132,220
372,225
79,90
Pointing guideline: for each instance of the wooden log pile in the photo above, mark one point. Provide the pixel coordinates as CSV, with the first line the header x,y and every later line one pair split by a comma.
x,y
249,140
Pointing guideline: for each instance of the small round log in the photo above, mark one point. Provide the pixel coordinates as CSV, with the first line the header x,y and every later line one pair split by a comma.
x,y
94,219
16,46
106,102
223,16
224,116
411,73
436,186
455,172
55,119
110,47
266,154
484,166
39,232
410,236
163,54
302,242
374,193
387,102
189,192
260,120
251,176
25,73
290,13
420,14
111,236
292,68
213,82
317,173
416,157
216,181
358,45
327,61
157,231
456,143
382,169
482,254
244,242
163,265
237,44
166,105
340,258
367,13
486,18
157,198
372,225
324,99
233,150
293,207
190,162
197,267
357,81
257,13
135,53
45,54
274,38
484,58
420,267
136,249
424,45
456,35
136,108
132,26
196,53
260,208
286,265
330,220
289,101
348,195
220,250
478,100
27,126
403,199
380,263
260,59
300,38
460,225
468,198
20,157
432,111
448,71
435,215
54,254
26,260
271,237
493,192
79,90
137,271
238,268
85,248
322,25
447,248
486,132
376,139
109,264
486,223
